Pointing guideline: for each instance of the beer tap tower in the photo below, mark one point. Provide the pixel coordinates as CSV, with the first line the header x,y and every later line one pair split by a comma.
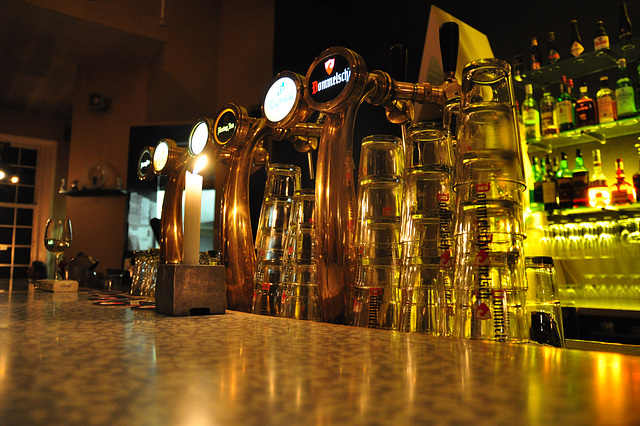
x,y
238,138
180,289
337,83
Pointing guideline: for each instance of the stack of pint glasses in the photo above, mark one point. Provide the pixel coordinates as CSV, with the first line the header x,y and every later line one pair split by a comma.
x,y
378,233
283,180
425,294
301,297
490,281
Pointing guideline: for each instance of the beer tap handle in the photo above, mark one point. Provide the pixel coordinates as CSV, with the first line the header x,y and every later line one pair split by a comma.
x,y
449,42
398,111
398,62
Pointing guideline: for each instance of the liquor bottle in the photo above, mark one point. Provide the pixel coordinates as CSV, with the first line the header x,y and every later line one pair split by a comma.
x,y
536,55
580,182
599,195
549,187
600,38
636,176
564,108
553,55
547,113
625,24
606,100
586,111
518,67
530,114
625,93
537,202
622,192
576,42
564,179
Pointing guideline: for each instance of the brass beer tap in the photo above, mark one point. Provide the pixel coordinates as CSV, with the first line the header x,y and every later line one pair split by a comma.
x,y
173,161
237,139
337,83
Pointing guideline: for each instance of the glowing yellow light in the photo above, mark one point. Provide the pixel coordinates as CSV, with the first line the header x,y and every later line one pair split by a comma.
x,y
14,179
2,175
201,161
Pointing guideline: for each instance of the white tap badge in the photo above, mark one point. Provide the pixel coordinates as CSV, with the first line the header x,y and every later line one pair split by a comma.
x,y
280,99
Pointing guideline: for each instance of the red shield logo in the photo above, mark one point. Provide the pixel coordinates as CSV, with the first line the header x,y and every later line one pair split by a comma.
x,y
329,64
482,259
483,312
445,259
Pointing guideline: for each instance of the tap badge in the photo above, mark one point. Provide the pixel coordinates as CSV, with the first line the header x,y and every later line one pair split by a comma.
x,y
225,127
329,64
329,78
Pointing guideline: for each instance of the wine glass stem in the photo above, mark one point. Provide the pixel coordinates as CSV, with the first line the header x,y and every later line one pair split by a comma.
x,y
56,268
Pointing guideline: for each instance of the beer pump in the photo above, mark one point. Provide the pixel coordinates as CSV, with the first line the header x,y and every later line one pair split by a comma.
x,y
337,83
238,138
180,289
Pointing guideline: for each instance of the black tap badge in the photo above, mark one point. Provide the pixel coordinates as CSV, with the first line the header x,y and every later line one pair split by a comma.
x,y
226,126
329,78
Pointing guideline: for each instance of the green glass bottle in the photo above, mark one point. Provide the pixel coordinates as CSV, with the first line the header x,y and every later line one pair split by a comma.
x,y
565,188
530,115
625,93
564,108
536,199
580,182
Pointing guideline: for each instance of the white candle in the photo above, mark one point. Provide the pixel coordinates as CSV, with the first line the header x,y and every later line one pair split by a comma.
x,y
192,206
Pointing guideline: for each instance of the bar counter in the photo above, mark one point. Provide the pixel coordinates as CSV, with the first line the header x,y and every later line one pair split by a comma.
x,y
65,360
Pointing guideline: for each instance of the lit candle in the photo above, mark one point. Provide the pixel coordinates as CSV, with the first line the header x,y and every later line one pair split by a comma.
x,y
192,207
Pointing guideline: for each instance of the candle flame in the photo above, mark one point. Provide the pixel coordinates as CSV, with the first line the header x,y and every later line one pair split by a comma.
x,y
201,161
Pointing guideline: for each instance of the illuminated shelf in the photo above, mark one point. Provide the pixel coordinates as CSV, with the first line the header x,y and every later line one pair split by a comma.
x,y
583,65
598,133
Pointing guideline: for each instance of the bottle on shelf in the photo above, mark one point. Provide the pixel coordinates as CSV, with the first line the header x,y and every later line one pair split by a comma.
x,y
564,179
586,111
537,201
549,187
606,101
564,108
530,114
636,176
622,192
625,24
547,113
553,55
625,93
518,67
600,38
535,55
576,42
599,195
580,182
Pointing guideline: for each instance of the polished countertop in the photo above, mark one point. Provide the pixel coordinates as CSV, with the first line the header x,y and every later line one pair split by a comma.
x,y
65,360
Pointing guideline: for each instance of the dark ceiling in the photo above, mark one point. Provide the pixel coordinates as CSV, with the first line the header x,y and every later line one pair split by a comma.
x,y
40,50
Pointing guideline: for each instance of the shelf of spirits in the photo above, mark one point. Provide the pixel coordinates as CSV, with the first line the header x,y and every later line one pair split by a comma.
x,y
598,133
580,66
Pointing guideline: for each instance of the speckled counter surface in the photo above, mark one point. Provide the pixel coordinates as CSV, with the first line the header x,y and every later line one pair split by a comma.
x,y
64,360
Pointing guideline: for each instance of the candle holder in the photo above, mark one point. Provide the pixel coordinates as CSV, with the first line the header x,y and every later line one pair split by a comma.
x,y
183,290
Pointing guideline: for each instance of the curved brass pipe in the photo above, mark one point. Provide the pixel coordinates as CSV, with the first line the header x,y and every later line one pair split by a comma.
x,y
238,252
335,213
171,220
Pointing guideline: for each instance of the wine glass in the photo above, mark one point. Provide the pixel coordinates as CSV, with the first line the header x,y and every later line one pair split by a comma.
x,y
57,237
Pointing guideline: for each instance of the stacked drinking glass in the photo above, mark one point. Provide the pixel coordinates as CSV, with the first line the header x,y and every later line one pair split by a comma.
x,y
378,232
426,233
490,282
283,180
301,298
